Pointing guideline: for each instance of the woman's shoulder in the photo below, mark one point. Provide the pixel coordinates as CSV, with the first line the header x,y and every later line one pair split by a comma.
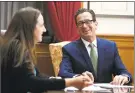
x,y
11,47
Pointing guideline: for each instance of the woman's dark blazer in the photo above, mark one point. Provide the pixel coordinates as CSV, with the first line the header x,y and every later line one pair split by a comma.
x,y
21,79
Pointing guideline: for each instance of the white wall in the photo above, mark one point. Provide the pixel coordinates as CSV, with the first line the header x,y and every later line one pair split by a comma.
x,y
115,26
119,20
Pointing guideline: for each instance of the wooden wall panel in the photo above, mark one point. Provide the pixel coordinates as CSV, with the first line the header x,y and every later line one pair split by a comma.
x,y
44,59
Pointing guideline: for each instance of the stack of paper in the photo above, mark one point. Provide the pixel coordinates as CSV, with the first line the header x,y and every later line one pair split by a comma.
x,y
108,85
89,88
102,87
71,89
95,88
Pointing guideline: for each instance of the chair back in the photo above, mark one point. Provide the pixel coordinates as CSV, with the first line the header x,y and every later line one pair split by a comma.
x,y
56,54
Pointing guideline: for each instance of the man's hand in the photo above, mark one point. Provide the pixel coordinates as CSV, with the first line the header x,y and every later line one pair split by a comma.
x,y
120,80
88,75
79,82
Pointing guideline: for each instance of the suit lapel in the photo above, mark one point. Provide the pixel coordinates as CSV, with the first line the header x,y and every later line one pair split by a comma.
x,y
85,55
100,47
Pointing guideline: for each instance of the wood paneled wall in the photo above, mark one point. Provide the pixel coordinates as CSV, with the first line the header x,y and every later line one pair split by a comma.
x,y
125,44
44,59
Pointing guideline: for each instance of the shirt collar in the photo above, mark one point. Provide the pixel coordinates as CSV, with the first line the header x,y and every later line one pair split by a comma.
x,y
86,43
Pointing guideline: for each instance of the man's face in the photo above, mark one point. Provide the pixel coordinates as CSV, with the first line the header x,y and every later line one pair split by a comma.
x,y
86,26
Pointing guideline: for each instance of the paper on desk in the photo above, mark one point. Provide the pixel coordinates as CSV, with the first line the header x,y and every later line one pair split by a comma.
x,y
94,88
71,89
108,85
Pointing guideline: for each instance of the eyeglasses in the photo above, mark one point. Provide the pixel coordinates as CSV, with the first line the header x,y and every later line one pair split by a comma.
x,y
87,22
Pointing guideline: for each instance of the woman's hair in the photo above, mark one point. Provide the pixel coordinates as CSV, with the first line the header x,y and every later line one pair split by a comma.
x,y
21,28
1,41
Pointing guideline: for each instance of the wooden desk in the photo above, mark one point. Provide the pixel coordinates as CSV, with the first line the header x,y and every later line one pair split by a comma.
x,y
112,91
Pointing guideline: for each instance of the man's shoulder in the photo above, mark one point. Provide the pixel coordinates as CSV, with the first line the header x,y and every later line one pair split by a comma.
x,y
71,44
106,43
105,40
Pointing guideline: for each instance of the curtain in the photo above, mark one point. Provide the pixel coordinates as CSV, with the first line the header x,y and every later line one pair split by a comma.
x,y
62,19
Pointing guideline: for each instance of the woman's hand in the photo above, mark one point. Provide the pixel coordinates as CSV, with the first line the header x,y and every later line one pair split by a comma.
x,y
79,82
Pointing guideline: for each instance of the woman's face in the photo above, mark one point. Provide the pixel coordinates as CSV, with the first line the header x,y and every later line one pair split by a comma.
x,y
39,29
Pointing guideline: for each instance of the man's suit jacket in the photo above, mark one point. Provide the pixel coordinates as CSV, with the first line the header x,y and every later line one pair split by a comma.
x,y
76,61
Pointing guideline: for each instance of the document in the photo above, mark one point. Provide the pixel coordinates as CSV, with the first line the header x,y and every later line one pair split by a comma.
x,y
95,88
108,85
71,89
104,87
89,88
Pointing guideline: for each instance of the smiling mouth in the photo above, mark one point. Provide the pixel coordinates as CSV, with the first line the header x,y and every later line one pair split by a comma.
x,y
87,31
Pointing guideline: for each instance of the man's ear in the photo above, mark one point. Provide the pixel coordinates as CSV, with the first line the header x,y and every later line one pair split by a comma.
x,y
96,25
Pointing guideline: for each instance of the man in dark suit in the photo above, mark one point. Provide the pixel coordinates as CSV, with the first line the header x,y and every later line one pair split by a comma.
x,y
97,56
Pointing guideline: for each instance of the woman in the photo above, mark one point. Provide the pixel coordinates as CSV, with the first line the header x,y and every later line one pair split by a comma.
x,y
18,57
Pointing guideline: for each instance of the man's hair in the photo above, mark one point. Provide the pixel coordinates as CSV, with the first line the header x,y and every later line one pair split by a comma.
x,y
82,10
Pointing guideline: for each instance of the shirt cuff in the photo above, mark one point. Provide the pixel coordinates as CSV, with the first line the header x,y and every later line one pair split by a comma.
x,y
127,77
76,75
